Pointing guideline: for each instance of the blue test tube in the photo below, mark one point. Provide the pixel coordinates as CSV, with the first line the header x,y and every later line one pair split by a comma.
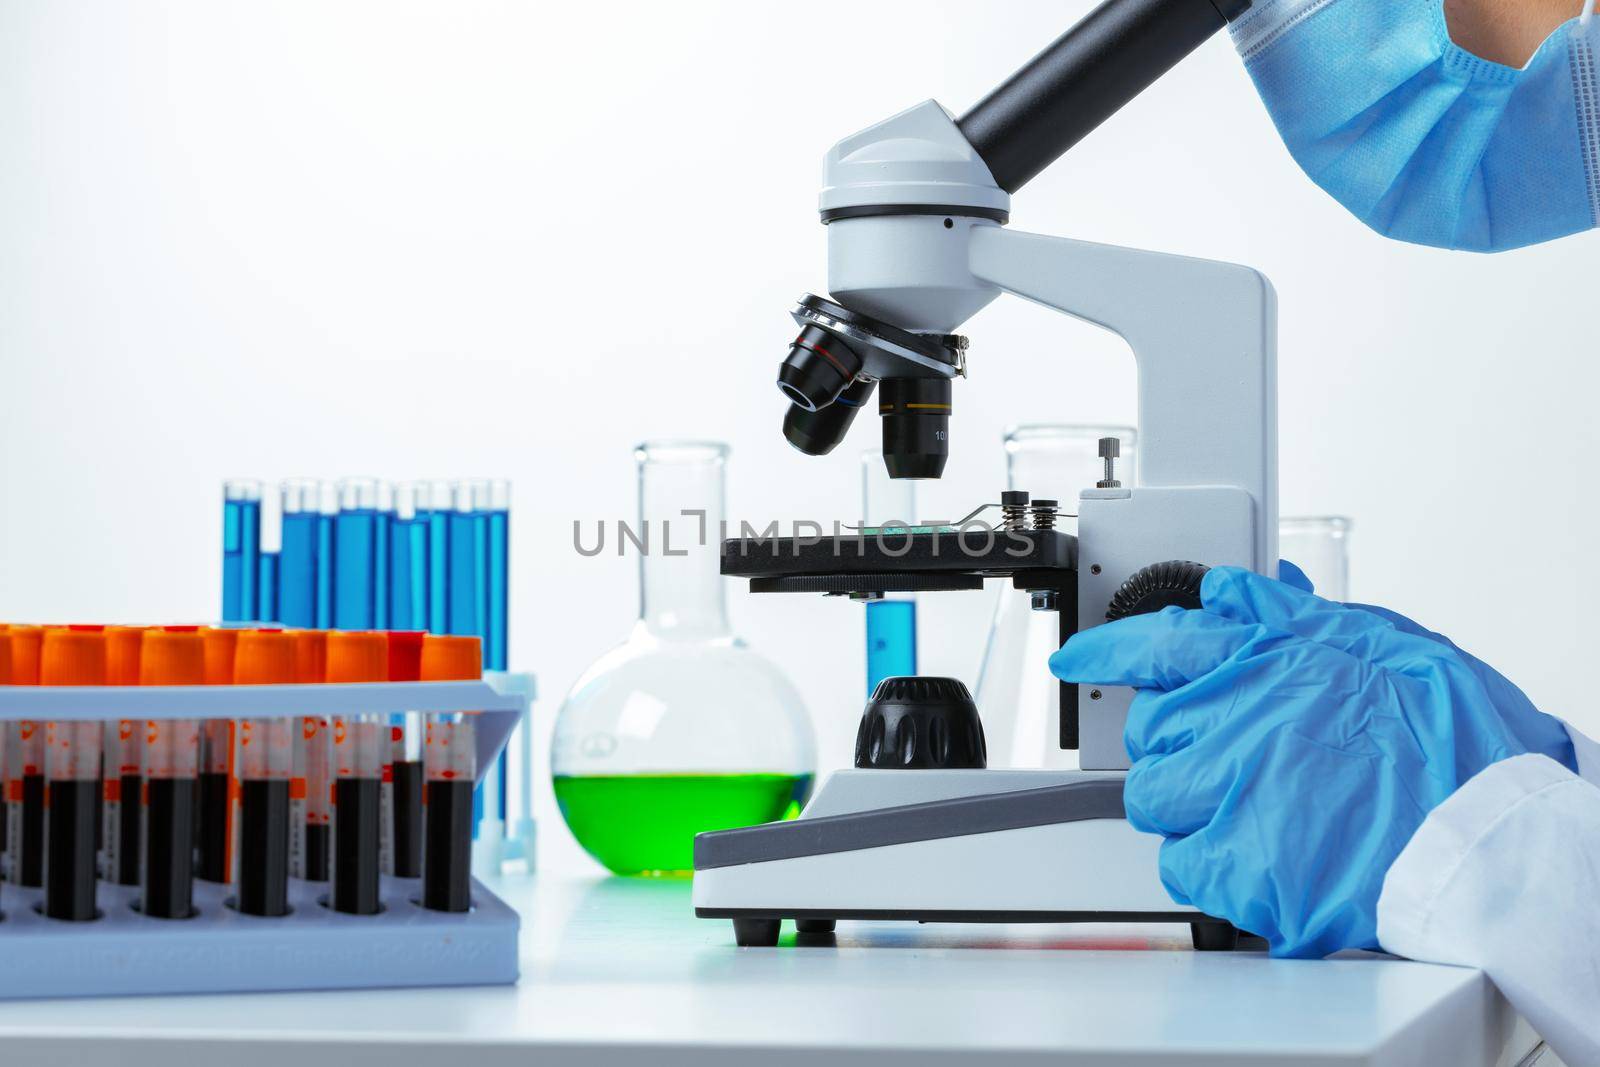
x,y
408,557
891,623
497,504
241,533
327,528
891,640
380,557
271,545
438,512
300,504
358,532
267,587
468,591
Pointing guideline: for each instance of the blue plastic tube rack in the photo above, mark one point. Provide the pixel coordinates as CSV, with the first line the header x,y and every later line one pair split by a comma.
x,y
219,950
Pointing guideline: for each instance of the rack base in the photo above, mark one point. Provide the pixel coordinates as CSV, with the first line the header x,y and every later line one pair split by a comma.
x,y
218,950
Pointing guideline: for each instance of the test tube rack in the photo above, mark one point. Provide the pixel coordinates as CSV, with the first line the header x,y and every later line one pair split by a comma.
x,y
219,950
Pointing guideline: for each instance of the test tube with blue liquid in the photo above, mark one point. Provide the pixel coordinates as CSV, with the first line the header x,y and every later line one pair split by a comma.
x,y
437,513
477,590
327,529
270,562
408,556
241,548
300,507
468,588
360,555
888,504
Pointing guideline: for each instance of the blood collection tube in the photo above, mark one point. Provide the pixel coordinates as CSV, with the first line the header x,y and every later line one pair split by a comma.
x,y
171,655
122,784
311,781
71,656
5,748
358,755
25,767
264,657
451,764
214,809
402,771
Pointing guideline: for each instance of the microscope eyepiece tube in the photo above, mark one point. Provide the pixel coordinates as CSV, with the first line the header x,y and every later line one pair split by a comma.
x,y
1111,56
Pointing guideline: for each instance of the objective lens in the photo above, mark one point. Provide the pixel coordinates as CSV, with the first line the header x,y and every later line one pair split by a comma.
x,y
817,432
916,426
818,368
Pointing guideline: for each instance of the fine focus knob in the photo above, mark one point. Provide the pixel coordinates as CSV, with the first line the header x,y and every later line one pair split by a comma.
x,y
1175,583
919,723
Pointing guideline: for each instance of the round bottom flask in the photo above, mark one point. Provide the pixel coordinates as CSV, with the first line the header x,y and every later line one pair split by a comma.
x,y
681,729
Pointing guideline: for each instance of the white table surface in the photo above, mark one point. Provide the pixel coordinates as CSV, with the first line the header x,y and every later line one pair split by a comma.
x,y
620,972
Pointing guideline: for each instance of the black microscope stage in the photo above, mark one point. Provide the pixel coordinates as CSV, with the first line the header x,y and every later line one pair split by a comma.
x,y
894,561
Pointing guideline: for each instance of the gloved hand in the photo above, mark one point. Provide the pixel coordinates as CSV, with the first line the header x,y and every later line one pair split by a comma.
x,y
1288,747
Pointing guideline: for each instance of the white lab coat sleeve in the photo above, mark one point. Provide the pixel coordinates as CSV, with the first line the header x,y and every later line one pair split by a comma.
x,y
1504,876
1588,752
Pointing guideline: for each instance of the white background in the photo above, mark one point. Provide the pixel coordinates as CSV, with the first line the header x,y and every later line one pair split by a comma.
x,y
241,239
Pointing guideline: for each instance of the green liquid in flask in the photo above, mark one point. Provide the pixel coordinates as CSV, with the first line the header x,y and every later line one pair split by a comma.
x,y
645,823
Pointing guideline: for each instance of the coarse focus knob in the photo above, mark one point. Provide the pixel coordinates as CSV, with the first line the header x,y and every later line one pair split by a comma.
x,y
1175,583
919,723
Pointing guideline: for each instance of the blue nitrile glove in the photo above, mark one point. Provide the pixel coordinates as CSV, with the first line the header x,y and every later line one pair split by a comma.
x,y
1288,747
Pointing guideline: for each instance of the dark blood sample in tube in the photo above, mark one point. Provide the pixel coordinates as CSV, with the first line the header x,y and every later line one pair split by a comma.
x,y
72,764
451,764
129,788
30,846
447,863
171,758
69,871
355,844
168,876
318,852
266,760
215,810
407,818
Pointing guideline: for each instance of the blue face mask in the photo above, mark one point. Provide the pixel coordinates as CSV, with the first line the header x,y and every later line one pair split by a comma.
x,y
1420,139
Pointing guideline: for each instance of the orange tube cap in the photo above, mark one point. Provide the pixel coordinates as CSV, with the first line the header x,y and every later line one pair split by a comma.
x,y
448,658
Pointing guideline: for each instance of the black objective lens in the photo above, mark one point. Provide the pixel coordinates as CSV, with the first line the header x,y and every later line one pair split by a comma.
x,y
818,368
916,426
816,432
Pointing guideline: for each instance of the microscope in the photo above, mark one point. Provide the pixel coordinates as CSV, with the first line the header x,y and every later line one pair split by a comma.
x,y
916,209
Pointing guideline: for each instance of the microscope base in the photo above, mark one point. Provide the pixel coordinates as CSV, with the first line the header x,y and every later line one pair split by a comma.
x,y
944,846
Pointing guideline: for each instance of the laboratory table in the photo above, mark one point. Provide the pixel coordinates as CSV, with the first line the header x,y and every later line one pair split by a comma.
x,y
620,972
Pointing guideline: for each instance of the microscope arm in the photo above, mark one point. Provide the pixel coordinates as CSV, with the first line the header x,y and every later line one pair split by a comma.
x,y
1204,336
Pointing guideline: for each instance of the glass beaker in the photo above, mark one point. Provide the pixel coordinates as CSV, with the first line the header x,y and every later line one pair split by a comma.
x,y
1017,696
1319,546
682,728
